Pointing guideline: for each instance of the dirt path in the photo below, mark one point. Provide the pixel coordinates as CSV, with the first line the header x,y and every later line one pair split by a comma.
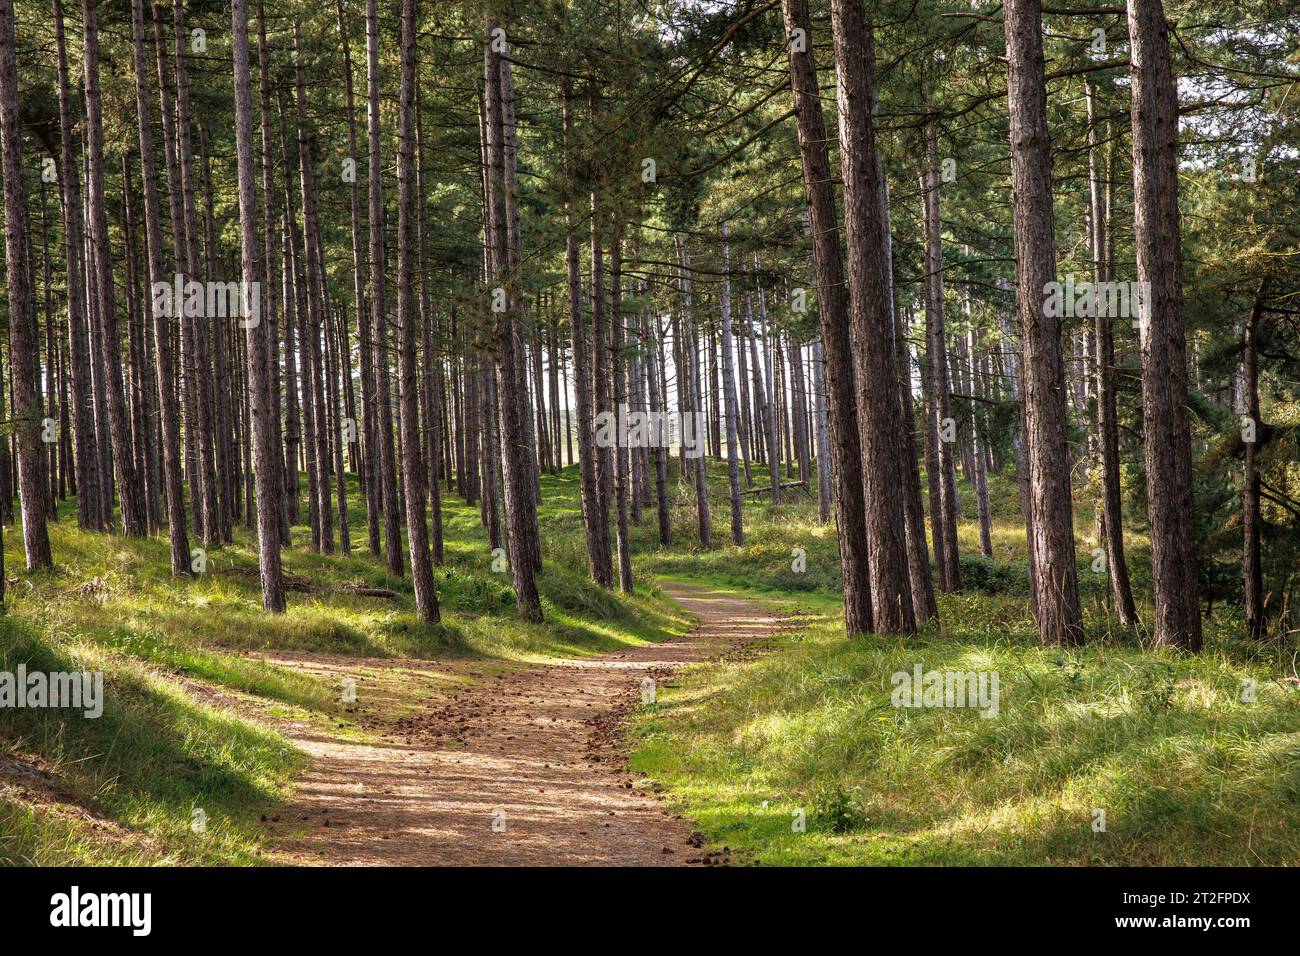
x,y
524,767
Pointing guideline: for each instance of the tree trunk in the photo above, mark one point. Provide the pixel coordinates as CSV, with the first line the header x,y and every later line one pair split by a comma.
x,y
259,334
939,464
833,314
314,326
1056,582
620,449
823,436
874,360
417,530
85,451
658,406
378,307
204,423
1252,576
729,399
977,454
109,343
1104,395
365,429
269,252
599,560
696,464
24,333
162,345
520,513
1166,432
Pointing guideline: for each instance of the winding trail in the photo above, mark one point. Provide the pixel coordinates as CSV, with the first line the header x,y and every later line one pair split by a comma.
x,y
524,767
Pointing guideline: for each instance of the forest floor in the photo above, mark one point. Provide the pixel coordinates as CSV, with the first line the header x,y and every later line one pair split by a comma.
x,y
525,766
232,737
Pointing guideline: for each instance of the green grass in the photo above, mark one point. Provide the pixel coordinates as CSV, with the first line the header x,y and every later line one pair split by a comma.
x,y
197,678
798,757
190,721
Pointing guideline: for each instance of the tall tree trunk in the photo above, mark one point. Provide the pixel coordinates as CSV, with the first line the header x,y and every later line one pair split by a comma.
x,y
729,398
1252,575
600,393
185,385
85,452
823,435
802,450
939,457
521,516
316,308
1104,394
1056,582
109,344
924,607
746,406
696,464
259,334
977,461
526,441
205,417
620,448
366,429
24,333
833,314
269,253
598,556
378,306
658,406
874,360
762,409
417,530
1166,432
162,344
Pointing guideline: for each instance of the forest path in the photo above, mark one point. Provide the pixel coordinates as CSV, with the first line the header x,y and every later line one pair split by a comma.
x,y
525,767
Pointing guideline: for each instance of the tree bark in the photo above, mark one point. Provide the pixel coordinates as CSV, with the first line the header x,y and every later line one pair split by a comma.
x,y
599,560
85,450
1166,431
259,334
939,453
166,376
1056,582
620,449
874,361
378,307
696,464
1252,575
1104,395
659,406
417,530
520,513
729,398
24,333
833,314
365,428
109,343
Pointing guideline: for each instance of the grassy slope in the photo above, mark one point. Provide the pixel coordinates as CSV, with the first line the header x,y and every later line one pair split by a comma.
x,y
190,711
1185,771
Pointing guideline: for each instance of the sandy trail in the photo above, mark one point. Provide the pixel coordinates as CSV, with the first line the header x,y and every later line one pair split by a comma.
x,y
524,767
